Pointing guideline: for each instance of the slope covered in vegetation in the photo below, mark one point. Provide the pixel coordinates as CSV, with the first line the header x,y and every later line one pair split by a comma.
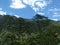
x,y
36,31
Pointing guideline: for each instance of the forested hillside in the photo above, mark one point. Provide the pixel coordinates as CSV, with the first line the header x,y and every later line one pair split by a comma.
x,y
36,31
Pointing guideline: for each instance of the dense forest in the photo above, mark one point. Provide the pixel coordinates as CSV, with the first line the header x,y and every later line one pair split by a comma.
x,y
36,31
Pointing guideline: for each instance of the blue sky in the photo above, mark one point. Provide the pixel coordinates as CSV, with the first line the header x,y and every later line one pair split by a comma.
x,y
28,8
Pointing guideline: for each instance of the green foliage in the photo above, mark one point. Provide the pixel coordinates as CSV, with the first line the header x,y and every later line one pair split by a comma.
x,y
38,31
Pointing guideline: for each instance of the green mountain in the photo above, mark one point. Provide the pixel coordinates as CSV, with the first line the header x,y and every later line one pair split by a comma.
x,y
36,31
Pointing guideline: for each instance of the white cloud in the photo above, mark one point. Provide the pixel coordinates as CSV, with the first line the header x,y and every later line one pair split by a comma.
x,y
56,15
41,4
0,8
36,9
2,12
30,2
55,12
41,13
17,4
34,4
17,16
54,9
55,19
